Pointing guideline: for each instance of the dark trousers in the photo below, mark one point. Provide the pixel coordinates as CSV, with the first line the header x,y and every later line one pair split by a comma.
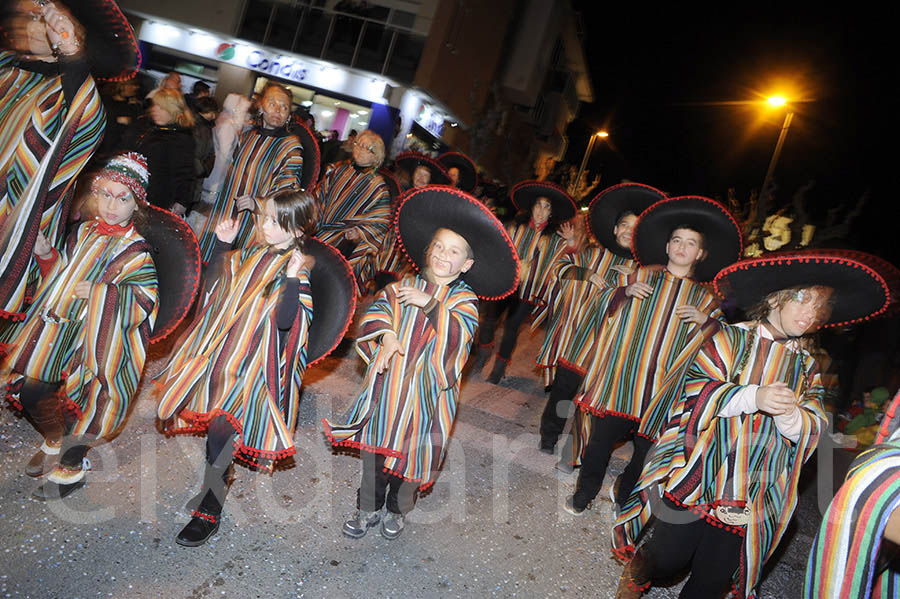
x,y
376,484
559,404
605,433
713,554
43,408
516,313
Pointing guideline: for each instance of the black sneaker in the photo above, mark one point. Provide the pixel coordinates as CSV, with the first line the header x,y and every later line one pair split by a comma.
x,y
51,490
197,531
572,508
547,447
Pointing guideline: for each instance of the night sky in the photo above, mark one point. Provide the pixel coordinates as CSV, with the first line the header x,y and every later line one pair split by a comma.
x,y
676,92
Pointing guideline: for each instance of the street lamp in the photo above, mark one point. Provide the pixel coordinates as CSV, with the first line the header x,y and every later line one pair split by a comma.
x,y
587,152
777,102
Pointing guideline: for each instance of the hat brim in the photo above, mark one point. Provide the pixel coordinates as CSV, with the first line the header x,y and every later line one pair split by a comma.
x,y
468,173
605,208
334,300
495,272
408,161
722,239
312,159
524,195
176,254
860,293
111,45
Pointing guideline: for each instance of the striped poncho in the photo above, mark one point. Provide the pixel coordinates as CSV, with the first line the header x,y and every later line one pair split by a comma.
x,y
842,563
407,412
538,255
44,143
573,321
95,346
230,360
355,198
267,160
643,347
703,460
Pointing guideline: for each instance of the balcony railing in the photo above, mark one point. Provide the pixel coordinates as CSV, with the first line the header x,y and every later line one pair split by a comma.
x,y
353,40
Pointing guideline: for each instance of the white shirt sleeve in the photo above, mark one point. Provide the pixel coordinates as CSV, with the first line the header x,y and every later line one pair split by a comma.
x,y
744,402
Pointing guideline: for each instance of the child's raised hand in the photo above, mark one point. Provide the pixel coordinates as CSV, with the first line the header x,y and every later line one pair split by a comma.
x,y
227,230
42,247
776,399
411,296
390,346
245,202
567,232
298,261
82,289
691,314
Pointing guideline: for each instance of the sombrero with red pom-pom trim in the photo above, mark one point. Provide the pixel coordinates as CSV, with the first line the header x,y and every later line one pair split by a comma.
x,y
525,193
333,288
410,161
721,233
495,273
860,292
468,172
176,254
608,205
312,158
390,179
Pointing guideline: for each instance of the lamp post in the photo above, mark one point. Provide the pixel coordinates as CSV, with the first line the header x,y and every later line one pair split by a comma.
x,y
776,101
587,152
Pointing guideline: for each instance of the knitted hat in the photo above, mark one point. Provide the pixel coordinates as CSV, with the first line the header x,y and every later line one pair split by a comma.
x,y
130,170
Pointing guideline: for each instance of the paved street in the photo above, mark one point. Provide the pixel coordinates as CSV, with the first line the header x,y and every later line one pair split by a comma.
x,y
493,526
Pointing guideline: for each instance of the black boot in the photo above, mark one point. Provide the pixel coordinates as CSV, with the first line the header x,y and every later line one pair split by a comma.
x,y
482,353
498,371
204,522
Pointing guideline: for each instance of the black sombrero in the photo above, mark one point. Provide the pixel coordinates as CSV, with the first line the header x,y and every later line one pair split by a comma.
x,y
468,173
334,299
390,179
311,156
607,205
176,254
111,47
721,233
423,211
524,195
860,292
409,161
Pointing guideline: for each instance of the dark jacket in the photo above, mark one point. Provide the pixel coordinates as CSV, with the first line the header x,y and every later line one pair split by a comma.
x,y
170,159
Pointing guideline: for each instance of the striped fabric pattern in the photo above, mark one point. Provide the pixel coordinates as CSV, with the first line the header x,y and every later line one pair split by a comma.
x,y
842,563
229,360
573,322
704,461
96,346
538,254
44,145
642,348
390,257
263,165
407,412
353,198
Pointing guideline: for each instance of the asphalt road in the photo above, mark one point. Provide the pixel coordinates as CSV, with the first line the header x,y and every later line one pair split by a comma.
x,y
493,526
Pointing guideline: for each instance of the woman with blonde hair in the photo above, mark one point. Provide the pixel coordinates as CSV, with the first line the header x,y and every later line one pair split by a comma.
x,y
164,136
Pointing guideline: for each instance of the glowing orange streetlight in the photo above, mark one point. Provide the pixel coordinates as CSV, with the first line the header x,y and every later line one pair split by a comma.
x,y
776,102
587,152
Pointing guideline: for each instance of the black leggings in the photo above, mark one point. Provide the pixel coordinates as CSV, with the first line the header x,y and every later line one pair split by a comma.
x,y
565,385
42,405
714,551
516,313
220,438
605,433
376,483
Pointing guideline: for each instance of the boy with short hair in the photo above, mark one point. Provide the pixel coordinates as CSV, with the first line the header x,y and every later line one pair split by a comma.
x,y
415,339
651,329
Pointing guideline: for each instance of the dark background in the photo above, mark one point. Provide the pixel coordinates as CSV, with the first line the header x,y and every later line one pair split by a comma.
x,y
680,95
